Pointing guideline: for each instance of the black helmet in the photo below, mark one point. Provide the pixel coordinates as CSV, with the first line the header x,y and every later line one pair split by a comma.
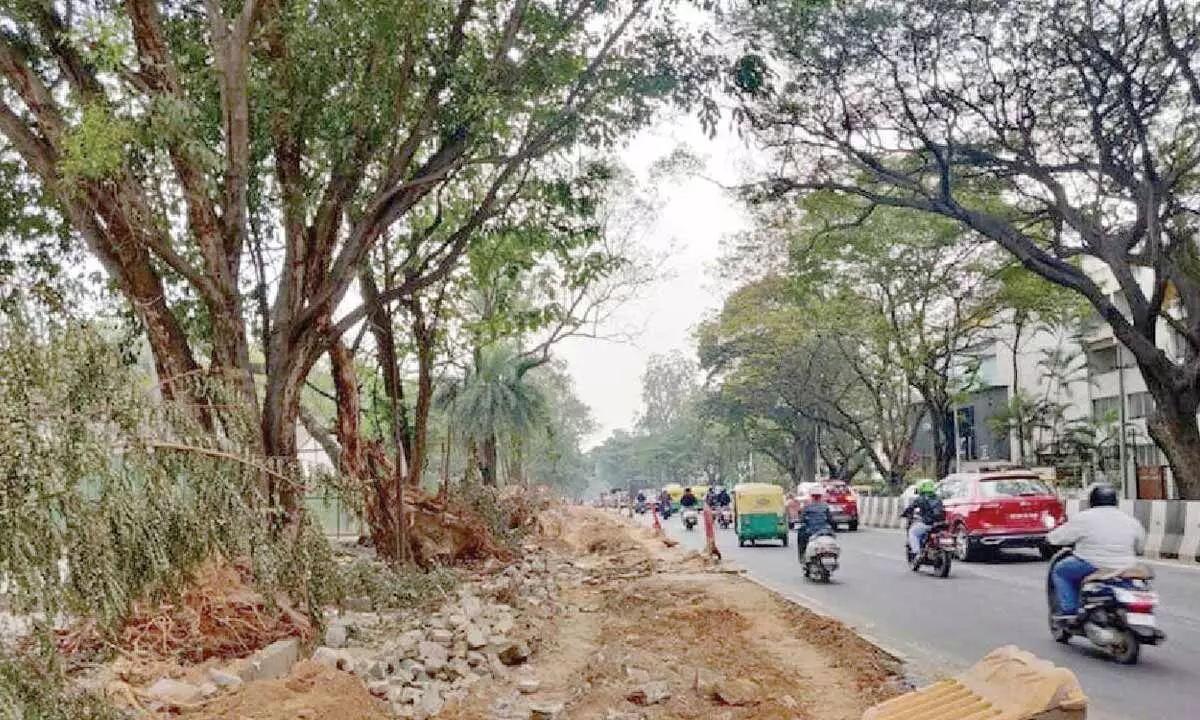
x,y
1101,496
687,489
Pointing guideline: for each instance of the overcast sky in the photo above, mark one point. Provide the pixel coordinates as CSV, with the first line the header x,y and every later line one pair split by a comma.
x,y
695,217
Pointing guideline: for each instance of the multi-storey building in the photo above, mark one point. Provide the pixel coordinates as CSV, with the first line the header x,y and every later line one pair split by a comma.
x,y
1087,375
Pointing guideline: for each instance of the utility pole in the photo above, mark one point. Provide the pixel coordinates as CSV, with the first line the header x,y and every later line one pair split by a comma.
x,y
1122,455
957,443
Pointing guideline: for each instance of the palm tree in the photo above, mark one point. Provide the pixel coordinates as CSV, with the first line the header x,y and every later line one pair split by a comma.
x,y
494,399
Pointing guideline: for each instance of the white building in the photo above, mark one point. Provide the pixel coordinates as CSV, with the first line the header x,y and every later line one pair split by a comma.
x,y
1101,373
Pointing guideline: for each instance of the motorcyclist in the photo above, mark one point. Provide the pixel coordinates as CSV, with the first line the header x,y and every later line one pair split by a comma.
x,y
723,500
1104,538
929,506
664,503
689,499
814,518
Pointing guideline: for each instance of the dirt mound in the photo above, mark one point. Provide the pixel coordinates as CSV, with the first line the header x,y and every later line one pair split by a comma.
x,y
594,536
219,615
680,642
312,691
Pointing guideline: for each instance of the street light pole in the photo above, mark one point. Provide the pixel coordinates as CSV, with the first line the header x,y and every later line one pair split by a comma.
x,y
957,443
1122,454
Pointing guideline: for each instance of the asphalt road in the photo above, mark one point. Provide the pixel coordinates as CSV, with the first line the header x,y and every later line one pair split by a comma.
x,y
941,626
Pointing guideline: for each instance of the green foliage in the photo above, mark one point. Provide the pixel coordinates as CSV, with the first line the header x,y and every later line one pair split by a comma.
x,y
391,588
33,687
495,396
97,146
87,481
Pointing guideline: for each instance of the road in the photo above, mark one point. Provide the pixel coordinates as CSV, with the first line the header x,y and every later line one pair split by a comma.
x,y
942,626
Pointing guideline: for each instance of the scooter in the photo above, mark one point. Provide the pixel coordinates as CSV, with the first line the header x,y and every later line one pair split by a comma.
x,y
690,518
821,556
725,518
935,552
1117,611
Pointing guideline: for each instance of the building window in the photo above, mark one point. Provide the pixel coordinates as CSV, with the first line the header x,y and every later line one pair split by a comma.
x,y
1106,409
1140,405
1102,360
985,376
1147,456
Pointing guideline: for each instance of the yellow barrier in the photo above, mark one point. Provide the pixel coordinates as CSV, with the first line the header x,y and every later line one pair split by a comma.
x,y
1007,684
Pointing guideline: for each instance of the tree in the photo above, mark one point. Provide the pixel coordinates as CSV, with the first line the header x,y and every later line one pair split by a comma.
x,y
494,400
184,144
1080,115
755,354
554,453
1031,304
668,382
886,301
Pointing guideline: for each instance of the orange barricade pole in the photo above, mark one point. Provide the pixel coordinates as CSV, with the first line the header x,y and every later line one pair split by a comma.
x,y
657,526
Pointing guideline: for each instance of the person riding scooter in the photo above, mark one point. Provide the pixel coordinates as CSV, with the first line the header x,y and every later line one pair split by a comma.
x,y
929,506
689,499
722,498
1104,538
814,518
664,504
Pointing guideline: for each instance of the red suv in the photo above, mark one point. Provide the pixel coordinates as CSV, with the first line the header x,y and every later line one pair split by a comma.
x,y
990,511
844,504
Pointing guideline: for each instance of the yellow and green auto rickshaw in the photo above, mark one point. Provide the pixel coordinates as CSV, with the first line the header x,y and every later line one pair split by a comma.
x,y
701,492
675,490
758,513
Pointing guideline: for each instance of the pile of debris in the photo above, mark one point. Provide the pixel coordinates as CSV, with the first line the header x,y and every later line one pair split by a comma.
x,y
418,664
219,615
410,663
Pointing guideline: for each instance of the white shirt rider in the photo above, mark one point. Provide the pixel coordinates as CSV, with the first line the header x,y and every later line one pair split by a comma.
x,y
1104,536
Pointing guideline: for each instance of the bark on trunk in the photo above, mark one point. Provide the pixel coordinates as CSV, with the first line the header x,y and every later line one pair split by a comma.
x,y
487,460
944,452
286,373
425,335
1174,427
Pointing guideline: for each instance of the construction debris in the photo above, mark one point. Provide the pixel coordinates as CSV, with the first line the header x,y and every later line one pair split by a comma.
x,y
219,615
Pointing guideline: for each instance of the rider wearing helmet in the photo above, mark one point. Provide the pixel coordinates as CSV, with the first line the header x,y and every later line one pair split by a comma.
x,y
929,505
689,499
1103,536
814,518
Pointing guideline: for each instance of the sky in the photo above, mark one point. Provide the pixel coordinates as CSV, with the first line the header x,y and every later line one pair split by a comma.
x,y
695,217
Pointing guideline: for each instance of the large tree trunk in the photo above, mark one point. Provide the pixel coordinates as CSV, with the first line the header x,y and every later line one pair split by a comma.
x,y
944,451
288,368
1174,427
487,460
425,336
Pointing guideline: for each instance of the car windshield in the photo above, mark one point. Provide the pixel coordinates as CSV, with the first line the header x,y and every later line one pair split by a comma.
x,y
1013,487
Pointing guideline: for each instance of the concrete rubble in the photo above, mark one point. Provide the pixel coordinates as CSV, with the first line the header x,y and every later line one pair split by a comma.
x,y
415,662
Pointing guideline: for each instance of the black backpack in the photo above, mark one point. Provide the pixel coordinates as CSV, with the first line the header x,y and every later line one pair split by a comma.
x,y
932,510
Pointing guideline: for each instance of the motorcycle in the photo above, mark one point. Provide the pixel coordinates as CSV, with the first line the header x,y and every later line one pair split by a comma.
x,y
640,507
690,518
935,552
1117,611
821,556
725,517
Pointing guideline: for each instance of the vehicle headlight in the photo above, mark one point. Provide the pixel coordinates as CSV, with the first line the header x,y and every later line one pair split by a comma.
x,y
1049,521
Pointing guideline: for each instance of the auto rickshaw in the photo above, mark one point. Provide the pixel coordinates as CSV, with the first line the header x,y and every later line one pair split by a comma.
x,y
701,492
758,513
675,490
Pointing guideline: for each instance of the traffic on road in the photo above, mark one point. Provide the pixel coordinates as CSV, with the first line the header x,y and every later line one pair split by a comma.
x,y
1001,595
